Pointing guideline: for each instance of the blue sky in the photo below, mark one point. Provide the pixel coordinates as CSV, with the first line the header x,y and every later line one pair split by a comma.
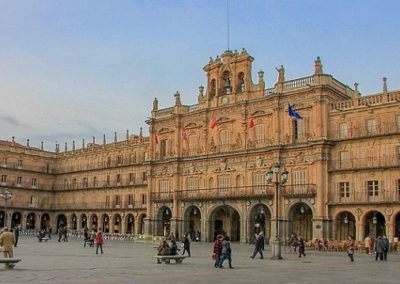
x,y
76,69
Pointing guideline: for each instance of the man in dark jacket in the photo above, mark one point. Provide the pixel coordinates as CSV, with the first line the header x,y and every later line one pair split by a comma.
x,y
385,243
379,248
16,234
186,245
258,245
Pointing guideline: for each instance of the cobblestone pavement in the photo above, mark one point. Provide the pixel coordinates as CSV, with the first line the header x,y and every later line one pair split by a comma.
x,y
127,262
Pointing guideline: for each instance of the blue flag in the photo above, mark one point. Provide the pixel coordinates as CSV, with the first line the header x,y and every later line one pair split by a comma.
x,y
294,113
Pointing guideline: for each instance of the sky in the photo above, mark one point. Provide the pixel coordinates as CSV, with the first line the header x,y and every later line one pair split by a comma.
x,y
77,69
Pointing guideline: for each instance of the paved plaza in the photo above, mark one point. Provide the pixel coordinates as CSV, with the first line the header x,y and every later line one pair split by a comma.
x,y
127,262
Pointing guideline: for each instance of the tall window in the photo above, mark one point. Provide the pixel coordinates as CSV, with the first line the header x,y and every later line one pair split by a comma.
x,y
119,160
261,133
108,161
298,128
344,159
118,200
371,126
398,188
132,159
373,188
192,183
398,122
119,178
259,181
193,144
108,181
94,182
144,199
344,188
224,140
107,201
130,199
132,178
4,163
163,148
343,130
85,182
73,183
299,180
33,200
144,177
19,180
224,183
164,186
398,155
3,178
19,164
34,182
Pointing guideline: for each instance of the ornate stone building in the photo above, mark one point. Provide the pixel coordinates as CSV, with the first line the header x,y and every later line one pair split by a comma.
x,y
202,169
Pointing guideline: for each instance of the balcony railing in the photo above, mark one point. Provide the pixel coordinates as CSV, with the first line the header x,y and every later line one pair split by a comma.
x,y
241,192
299,190
364,197
365,131
365,163
162,196
97,205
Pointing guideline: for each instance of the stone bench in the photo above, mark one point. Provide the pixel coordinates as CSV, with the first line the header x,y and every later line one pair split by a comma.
x,y
10,262
167,258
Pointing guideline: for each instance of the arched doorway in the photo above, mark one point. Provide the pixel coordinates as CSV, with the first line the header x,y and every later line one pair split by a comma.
x,y
117,223
225,219
260,221
375,224
192,224
163,224
15,219
30,221
130,224
2,219
62,221
44,221
397,226
74,222
345,225
83,221
105,226
300,221
141,224
94,222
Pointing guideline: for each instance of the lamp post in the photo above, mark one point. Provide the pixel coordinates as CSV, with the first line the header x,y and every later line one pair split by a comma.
x,y
6,195
281,178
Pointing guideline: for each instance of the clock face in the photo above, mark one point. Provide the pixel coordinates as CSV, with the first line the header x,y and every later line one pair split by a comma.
x,y
224,100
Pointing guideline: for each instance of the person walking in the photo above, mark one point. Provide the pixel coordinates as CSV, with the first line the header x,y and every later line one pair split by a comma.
x,y
385,242
293,242
379,248
258,246
99,242
302,247
7,240
186,245
65,233
367,244
17,229
60,232
217,250
350,248
226,253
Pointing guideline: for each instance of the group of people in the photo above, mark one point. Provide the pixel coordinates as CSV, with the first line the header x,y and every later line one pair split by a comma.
x,y
297,243
172,249
380,247
222,250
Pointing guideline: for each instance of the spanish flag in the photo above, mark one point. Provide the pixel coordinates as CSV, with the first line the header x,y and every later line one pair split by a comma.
x,y
251,124
213,123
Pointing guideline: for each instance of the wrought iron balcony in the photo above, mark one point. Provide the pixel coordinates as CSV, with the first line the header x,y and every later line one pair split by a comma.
x,y
241,192
299,190
351,197
383,161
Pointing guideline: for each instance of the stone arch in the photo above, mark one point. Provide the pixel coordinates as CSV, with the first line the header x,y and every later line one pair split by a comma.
x,y
396,223
94,222
62,220
30,221
16,219
259,221
141,223
73,222
45,221
163,221
224,218
192,222
117,221
83,220
300,216
105,223
345,225
374,223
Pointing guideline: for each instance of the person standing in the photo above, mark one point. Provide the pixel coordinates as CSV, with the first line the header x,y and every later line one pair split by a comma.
x,y
99,242
293,242
226,253
368,244
379,247
302,247
258,246
186,245
60,232
17,229
350,248
7,240
217,250
385,243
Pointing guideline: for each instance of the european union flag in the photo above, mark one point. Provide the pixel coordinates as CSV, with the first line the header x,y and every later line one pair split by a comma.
x,y
294,113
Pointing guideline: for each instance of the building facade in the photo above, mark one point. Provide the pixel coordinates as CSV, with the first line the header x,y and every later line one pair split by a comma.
x,y
202,168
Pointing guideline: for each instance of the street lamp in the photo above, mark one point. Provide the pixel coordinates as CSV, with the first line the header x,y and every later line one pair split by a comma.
x,y
281,178
6,195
